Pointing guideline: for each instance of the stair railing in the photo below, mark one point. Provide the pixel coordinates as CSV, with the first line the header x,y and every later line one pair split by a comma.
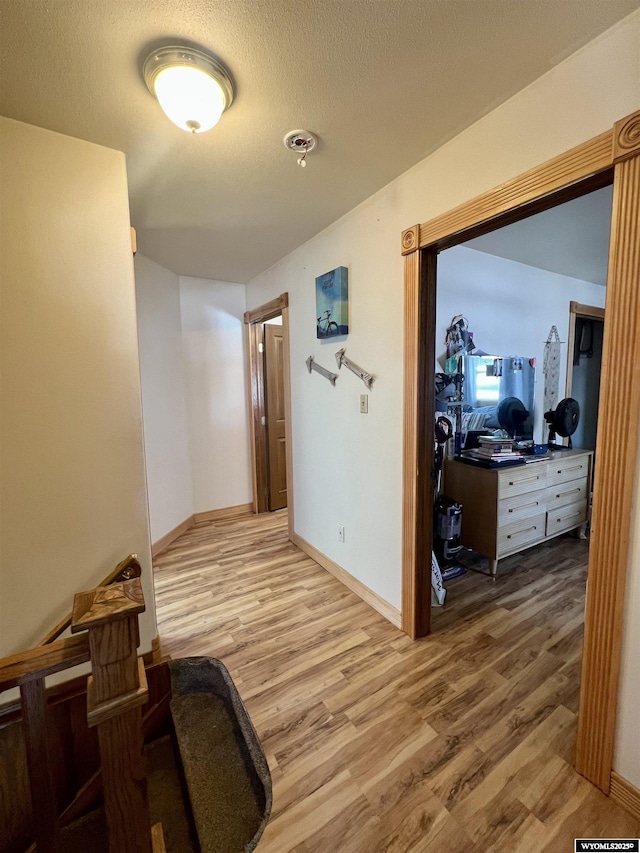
x,y
28,670
126,570
116,690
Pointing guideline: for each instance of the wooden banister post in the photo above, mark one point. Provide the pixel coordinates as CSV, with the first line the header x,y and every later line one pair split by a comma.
x,y
43,800
116,691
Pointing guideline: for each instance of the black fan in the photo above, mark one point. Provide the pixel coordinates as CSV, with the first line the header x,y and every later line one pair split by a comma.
x,y
512,415
563,421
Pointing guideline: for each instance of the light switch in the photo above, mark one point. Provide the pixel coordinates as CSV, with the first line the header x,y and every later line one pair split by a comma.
x,y
364,404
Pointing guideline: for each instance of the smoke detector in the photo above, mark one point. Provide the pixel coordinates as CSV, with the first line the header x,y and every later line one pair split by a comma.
x,y
302,142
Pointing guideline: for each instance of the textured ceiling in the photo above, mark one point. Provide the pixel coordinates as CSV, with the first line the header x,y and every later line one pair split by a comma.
x,y
571,239
381,82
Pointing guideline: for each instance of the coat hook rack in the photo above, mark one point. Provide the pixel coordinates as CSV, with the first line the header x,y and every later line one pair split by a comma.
x,y
312,365
341,358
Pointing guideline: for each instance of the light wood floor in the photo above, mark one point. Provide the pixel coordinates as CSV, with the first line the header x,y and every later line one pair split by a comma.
x,y
461,742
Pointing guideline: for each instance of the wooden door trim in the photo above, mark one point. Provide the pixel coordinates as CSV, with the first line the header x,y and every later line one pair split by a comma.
x,y
274,394
577,309
618,416
419,405
587,160
582,310
411,570
253,336
617,150
267,311
287,415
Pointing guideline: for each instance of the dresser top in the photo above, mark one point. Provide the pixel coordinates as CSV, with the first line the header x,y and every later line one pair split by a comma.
x,y
556,455
552,456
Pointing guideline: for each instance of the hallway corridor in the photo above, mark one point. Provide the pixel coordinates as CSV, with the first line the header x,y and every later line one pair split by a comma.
x,y
460,742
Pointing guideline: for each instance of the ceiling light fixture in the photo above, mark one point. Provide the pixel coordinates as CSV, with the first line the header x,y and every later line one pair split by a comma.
x,y
193,88
302,142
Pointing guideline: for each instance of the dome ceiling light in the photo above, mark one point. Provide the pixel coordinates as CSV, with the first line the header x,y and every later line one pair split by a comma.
x,y
193,88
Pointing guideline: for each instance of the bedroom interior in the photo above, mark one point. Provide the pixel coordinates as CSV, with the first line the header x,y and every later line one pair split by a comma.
x,y
499,365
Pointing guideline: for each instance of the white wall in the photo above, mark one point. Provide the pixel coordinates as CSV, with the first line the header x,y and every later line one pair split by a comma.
x,y
212,328
164,397
510,308
196,419
347,466
72,485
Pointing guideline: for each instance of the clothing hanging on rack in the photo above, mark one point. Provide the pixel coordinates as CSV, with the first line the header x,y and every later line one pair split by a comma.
x,y
551,369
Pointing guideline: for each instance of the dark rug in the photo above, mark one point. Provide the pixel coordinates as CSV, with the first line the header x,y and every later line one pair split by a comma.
x,y
225,804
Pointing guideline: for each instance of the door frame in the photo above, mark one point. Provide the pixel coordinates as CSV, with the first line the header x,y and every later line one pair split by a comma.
x,y
577,309
253,321
611,157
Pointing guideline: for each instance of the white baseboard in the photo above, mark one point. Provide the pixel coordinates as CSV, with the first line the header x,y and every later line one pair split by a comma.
x,y
370,597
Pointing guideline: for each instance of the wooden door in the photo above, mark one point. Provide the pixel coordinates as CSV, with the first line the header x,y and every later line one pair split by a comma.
x,y
274,391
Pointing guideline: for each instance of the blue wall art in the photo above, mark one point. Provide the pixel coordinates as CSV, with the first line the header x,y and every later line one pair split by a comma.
x,y
332,303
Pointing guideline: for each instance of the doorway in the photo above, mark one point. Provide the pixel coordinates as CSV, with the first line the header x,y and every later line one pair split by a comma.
x,y
584,364
508,289
273,351
615,155
267,342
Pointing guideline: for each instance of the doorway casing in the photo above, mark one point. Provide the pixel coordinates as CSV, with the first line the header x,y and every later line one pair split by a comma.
x,y
253,325
576,310
613,156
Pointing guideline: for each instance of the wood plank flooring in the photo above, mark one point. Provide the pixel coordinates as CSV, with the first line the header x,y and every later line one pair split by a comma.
x,y
460,742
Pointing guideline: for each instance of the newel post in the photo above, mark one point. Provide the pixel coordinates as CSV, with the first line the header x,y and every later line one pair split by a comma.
x,y
115,693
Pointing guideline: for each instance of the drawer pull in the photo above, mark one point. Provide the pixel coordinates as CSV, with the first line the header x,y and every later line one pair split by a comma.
x,y
524,506
567,517
566,494
573,468
521,532
525,480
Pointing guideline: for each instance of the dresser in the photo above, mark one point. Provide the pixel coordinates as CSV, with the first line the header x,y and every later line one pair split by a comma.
x,y
506,510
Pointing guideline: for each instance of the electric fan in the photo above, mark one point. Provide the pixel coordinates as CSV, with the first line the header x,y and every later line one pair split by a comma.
x,y
512,415
562,420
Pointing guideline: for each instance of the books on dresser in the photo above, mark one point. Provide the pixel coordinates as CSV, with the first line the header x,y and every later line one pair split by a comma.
x,y
494,451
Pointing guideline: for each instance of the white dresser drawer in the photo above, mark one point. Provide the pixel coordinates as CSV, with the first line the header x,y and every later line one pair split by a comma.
x,y
566,518
562,494
522,478
565,470
517,507
512,537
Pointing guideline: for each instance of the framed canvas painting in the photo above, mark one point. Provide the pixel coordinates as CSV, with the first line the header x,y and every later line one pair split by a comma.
x,y
332,303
